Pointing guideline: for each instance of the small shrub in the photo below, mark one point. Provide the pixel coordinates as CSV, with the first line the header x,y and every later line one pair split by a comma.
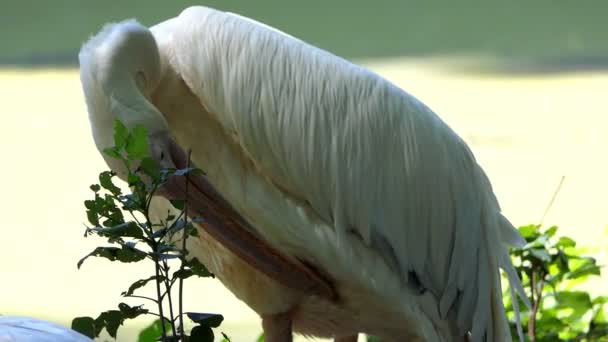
x,y
136,238
552,270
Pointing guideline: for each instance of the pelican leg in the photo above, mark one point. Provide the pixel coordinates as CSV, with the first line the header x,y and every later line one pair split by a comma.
x,y
277,327
228,227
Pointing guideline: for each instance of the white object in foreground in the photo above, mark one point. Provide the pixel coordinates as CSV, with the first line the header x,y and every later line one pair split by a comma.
x,y
27,329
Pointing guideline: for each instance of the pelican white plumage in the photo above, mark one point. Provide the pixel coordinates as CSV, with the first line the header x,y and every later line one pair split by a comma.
x,y
27,329
359,188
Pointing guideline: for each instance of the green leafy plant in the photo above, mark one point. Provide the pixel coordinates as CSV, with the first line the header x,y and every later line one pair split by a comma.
x,y
136,238
552,270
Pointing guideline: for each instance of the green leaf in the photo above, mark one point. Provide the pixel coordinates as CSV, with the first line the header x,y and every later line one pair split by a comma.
x,y
565,242
151,168
85,326
587,269
551,231
541,253
206,319
261,338
578,301
95,187
529,232
112,152
137,143
201,334
120,134
562,262
140,283
133,179
123,254
105,179
600,300
153,332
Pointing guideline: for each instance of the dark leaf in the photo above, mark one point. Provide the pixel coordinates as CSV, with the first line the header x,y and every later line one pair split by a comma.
x,y
95,187
166,247
123,254
132,202
140,283
176,226
129,312
90,204
198,268
159,233
183,274
166,256
127,229
92,217
193,231
178,204
85,326
201,334
110,320
206,319
105,179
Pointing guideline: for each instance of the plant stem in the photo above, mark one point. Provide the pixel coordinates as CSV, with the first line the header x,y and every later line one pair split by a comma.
x,y
168,289
185,234
537,282
532,321
160,303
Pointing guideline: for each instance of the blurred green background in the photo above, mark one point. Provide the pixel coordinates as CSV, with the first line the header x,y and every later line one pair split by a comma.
x,y
540,34
523,82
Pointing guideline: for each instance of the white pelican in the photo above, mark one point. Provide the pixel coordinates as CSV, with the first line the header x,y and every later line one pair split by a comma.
x,y
336,203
